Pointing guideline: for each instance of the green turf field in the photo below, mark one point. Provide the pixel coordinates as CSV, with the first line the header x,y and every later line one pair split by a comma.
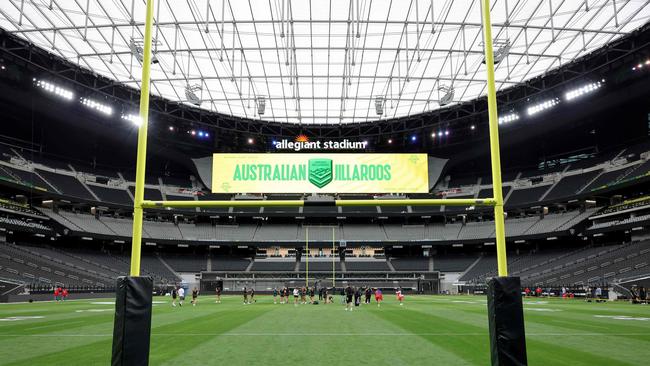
x,y
427,330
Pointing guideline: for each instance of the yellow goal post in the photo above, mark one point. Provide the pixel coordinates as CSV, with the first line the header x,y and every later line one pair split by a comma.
x,y
139,203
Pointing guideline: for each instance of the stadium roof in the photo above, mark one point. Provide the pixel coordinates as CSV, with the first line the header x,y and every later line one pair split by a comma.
x,y
321,61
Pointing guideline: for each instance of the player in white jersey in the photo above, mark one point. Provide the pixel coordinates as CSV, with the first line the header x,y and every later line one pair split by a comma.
x,y
181,296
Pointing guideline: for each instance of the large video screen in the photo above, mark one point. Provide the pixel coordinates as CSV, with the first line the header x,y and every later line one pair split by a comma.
x,y
320,173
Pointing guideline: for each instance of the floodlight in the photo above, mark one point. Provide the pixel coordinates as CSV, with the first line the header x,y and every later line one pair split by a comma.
x,y
135,119
55,89
100,107
586,89
543,106
507,118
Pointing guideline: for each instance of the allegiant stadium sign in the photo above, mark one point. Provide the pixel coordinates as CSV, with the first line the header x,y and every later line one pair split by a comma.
x,y
344,144
327,173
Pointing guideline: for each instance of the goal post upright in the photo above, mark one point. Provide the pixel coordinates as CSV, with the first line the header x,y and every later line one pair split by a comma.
x,y
333,259
307,258
134,293
141,159
504,303
495,155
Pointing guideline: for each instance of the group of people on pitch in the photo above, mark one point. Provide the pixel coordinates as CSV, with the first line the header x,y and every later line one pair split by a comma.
x,y
60,293
353,296
178,292
249,295
299,295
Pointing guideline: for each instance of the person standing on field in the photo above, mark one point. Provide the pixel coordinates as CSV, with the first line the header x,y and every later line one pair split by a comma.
x,y
400,296
195,295
181,296
349,294
296,293
379,297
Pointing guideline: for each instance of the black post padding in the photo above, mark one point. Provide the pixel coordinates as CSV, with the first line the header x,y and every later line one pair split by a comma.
x,y
506,321
132,326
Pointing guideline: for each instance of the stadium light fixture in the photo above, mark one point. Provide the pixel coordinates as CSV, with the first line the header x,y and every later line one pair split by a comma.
x,y
54,89
99,107
532,110
135,119
586,89
190,94
261,105
502,51
447,133
379,105
448,97
390,141
472,127
251,141
136,47
511,117
171,128
414,138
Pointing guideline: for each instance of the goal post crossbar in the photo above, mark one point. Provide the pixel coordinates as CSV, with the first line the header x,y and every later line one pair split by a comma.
x,y
332,203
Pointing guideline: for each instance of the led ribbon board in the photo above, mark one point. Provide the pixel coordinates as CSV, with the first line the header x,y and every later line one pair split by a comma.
x,y
324,173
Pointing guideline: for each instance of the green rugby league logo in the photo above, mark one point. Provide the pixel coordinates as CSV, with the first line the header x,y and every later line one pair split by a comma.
x,y
320,172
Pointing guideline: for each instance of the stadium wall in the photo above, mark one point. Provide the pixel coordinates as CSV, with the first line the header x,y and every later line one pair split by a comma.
x,y
48,297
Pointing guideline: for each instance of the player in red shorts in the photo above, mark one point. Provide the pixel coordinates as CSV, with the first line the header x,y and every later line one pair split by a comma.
x,y
400,296
379,297
57,292
64,293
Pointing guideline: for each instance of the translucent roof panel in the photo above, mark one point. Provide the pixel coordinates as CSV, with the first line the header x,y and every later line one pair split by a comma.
x,y
321,61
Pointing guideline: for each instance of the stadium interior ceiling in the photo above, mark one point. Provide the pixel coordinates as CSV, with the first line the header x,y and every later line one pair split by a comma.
x,y
322,62
610,117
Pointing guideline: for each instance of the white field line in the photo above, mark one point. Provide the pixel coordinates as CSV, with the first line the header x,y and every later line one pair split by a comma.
x,y
331,334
